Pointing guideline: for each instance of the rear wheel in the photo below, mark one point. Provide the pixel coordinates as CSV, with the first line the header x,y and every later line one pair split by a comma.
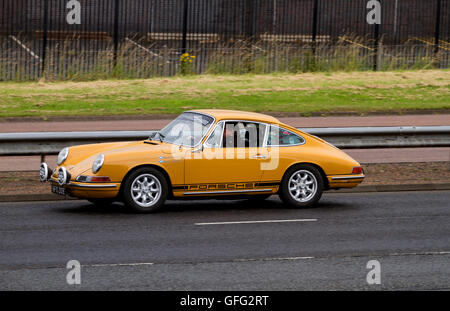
x,y
302,186
145,190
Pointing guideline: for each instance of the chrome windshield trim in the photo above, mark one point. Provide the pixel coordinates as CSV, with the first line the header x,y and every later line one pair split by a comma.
x,y
228,191
347,177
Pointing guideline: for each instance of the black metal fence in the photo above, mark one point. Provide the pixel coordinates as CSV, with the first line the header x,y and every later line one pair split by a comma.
x,y
84,39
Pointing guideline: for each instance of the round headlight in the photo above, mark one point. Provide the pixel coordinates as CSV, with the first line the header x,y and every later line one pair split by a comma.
x,y
98,163
62,156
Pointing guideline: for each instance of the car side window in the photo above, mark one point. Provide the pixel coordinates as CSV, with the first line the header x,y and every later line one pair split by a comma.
x,y
215,139
281,137
242,134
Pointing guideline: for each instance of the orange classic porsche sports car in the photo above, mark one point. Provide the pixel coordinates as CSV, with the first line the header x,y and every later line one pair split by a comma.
x,y
206,153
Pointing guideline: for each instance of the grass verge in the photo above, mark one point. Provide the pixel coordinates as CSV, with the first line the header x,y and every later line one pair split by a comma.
x,y
340,92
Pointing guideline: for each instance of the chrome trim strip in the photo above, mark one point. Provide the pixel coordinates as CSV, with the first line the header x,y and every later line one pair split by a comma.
x,y
221,135
91,186
228,191
348,177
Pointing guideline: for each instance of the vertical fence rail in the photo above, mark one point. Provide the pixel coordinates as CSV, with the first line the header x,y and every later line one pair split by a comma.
x,y
314,25
44,38
185,24
437,29
376,36
116,31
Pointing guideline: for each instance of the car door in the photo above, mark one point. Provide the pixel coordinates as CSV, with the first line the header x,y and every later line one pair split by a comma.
x,y
230,158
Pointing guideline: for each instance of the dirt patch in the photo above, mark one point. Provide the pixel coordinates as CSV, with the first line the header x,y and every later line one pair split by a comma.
x,y
18,183
407,173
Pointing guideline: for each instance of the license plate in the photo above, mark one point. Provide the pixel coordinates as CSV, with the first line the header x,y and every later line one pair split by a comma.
x,y
59,190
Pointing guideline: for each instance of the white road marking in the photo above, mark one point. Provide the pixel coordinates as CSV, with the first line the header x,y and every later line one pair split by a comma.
x,y
271,259
253,222
120,264
420,253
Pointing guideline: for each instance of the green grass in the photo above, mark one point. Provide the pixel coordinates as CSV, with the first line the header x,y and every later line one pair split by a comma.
x,y
359,92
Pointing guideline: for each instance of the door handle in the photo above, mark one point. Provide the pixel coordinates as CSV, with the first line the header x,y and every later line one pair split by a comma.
x,y
259,157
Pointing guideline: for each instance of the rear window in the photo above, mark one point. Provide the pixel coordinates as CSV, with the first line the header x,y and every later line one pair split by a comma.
x,y
279,136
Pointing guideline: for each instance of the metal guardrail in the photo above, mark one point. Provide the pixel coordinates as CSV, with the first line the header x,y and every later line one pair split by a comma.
x,y
49,143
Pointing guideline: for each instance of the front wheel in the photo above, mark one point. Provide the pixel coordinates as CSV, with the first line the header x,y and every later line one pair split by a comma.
x,y
145,190
302,186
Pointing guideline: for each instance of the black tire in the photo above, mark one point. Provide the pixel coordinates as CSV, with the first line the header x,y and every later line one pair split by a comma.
x,y
132,203
101,202
310,199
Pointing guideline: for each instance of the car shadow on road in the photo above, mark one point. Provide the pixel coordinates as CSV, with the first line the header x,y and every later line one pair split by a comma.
x,y
177,206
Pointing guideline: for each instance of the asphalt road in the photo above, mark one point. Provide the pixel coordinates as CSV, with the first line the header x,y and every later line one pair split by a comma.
x,y
231,245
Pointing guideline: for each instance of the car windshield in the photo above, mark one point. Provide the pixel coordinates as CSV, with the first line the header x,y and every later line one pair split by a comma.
x,y
187,129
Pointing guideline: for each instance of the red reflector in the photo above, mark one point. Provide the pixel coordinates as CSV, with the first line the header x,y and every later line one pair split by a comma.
x,y
357,170
100,179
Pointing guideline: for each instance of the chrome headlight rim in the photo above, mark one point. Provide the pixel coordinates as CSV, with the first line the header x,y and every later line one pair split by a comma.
x,y
98,163
62,155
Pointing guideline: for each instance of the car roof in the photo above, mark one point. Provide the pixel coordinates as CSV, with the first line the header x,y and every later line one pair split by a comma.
x,y
223,114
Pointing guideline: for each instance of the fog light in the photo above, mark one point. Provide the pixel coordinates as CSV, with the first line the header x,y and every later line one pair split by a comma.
x,y
44,172
63,176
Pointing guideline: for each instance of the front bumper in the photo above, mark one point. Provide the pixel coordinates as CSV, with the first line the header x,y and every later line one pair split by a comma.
x,y
89,190
73,188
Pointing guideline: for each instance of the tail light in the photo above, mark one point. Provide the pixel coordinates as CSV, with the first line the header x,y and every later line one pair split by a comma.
x,y
357,170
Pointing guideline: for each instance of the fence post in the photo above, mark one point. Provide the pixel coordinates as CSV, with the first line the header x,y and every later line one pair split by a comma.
x,y
185,17
437,29
116,32
44,38
314,25
250,20
377,42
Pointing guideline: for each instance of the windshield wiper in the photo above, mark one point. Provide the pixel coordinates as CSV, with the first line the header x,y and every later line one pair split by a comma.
x,y
161,137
